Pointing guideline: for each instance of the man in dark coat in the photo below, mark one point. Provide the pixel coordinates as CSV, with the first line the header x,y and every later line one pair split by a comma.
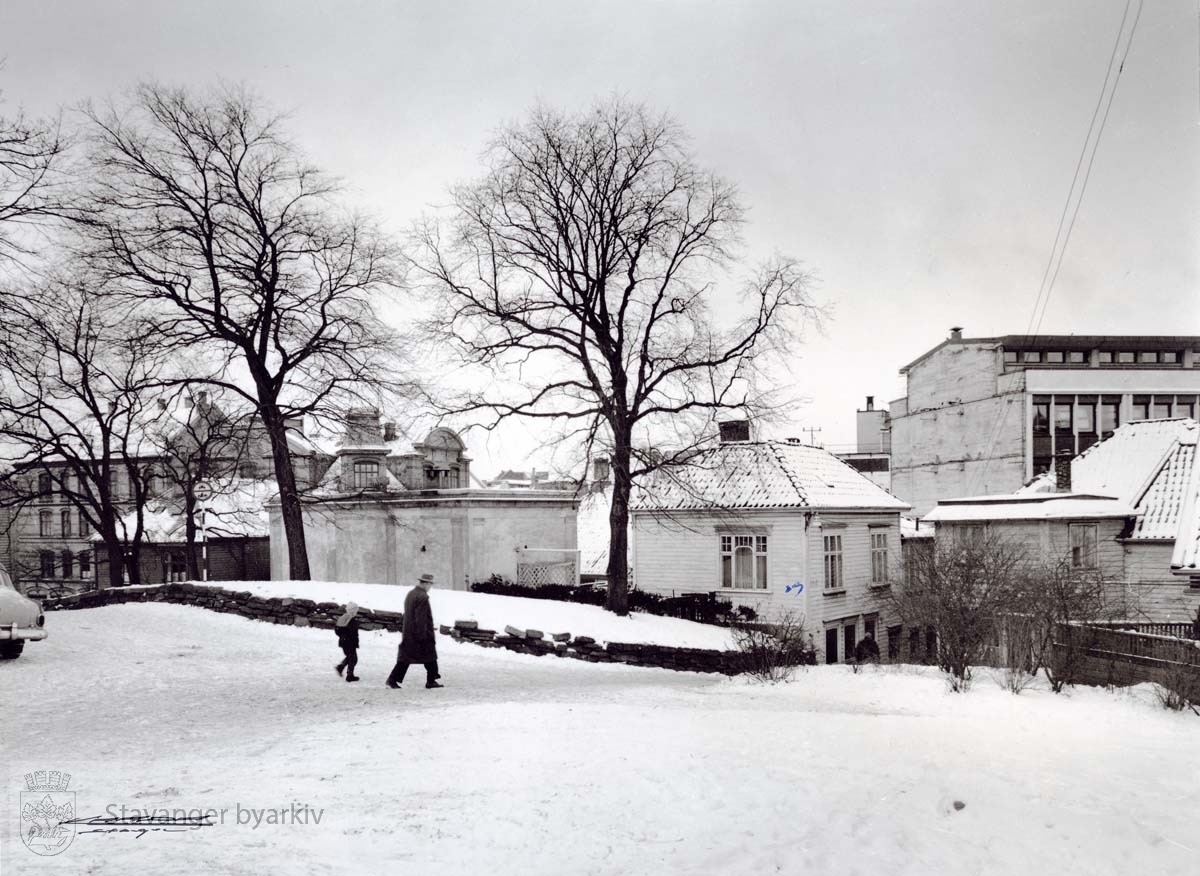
x,y
417,638
867,650
347,636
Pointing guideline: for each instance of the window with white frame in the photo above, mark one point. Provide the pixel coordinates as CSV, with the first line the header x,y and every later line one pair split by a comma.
x,y
1083,545
65,519
744,562
45,523
834,579
879,557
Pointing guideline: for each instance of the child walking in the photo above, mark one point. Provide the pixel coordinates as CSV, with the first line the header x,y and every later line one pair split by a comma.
x,y
347,634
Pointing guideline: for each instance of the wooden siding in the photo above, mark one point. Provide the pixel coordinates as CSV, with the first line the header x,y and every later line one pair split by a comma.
x,y
682,554
859,599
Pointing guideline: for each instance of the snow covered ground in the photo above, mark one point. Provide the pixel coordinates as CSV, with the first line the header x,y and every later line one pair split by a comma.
x,y
525,764
494,612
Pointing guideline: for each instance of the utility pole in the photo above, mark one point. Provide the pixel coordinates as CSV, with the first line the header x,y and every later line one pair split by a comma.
x,y
812,431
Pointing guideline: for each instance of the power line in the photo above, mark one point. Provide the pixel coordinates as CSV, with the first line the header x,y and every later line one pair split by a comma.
x,y
1057,253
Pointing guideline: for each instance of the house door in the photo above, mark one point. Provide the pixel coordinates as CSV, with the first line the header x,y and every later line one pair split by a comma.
x,y
831,642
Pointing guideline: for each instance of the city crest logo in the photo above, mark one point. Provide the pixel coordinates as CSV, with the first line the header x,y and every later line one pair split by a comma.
x,y
47,812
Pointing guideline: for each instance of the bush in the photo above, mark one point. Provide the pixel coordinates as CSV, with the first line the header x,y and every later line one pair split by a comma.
x,y
705,608
771,652
1180,687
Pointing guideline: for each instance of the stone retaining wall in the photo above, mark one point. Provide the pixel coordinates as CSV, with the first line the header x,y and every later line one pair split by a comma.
x,y
586,648
273,609
307,613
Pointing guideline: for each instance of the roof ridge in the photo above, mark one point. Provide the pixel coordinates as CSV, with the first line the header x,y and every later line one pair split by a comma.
x,y
787,473
1185,531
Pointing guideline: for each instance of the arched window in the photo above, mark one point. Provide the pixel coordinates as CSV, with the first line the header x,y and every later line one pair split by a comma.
x,y
65,516
45,522
366,474
67,562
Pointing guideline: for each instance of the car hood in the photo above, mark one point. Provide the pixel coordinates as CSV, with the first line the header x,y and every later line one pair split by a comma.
x,y
18,609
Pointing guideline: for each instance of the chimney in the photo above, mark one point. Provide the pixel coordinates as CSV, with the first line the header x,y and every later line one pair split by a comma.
x,y
600,470
162,404
733,431
389,430
956,333
870,403
1062,471
202,396
362,427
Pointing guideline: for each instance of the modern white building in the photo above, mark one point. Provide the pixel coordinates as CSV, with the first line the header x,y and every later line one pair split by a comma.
x,y
984,415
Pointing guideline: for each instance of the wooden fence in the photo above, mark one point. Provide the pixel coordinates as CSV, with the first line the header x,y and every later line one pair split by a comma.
x,y
1113,656
1184,630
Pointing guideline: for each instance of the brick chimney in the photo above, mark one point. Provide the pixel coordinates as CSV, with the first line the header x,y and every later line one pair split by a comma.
x,y
956,333
1062,471
733,431
389,430
870,403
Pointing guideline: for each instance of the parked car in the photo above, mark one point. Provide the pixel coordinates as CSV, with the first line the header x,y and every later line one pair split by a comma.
x,y
21,619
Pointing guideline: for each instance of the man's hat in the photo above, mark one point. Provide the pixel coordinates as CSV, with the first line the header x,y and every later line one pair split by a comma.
x,y
426,578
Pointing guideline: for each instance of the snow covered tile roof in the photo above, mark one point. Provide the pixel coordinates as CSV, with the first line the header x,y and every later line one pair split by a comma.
x,y
1124,464
236,510
1045,506
762,474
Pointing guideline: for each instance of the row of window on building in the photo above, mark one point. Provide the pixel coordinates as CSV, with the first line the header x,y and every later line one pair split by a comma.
x,y
66,528
1073,423
50,489
64,563
744,561
1103,357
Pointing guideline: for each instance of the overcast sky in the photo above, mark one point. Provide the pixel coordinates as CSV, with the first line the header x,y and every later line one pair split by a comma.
x,y
917,155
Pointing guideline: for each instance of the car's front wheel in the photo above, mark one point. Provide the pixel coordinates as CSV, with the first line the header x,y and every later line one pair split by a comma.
x,y
11,650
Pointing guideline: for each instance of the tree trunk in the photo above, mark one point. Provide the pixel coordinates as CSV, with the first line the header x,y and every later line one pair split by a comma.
x,y
289,497
133,563
116,560
618,522
189,533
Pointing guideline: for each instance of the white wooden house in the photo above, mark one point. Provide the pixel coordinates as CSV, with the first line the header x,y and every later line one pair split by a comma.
x,y
1127,508
780,527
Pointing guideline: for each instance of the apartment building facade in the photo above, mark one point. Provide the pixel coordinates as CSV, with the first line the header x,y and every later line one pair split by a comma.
x,y
984,415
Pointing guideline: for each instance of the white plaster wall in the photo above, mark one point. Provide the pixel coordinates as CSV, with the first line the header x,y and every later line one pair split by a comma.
x,y
381,542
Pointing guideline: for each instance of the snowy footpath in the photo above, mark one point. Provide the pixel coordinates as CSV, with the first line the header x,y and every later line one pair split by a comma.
x,y
540,765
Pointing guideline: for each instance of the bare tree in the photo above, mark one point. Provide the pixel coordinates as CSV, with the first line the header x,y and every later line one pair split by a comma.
x,y
207,212
580,272
203,443
79,377
30,151
962,588
1055,594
